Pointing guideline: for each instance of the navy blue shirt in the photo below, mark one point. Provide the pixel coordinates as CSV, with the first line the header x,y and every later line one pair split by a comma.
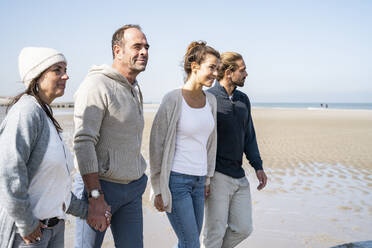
x,y
235,133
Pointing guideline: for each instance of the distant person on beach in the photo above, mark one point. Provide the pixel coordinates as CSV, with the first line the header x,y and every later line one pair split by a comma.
x,y
228,216
35,164
183,146
109,122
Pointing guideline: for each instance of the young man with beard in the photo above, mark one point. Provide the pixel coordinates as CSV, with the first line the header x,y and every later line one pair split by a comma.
x,y
228,216
107,142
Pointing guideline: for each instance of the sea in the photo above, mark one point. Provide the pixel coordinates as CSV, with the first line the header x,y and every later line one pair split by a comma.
x,y
281,105
307,105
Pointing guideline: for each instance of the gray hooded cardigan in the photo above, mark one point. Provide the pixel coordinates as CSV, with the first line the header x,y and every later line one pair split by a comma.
x,y
24,138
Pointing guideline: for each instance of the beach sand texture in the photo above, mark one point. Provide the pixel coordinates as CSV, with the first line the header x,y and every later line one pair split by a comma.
x,y
319,164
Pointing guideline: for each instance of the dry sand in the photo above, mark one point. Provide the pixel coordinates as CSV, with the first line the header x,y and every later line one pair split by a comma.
x,y
319,164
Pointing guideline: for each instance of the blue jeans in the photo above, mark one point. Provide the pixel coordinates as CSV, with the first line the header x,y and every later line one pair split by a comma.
x,y
187,213
127,218
53,237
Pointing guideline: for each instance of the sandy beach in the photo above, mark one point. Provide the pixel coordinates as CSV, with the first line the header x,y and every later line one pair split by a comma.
x,y
319,194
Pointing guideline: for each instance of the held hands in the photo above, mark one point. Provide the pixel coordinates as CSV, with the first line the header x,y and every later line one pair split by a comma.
x,y
99,214
36,235
108,216
262,178
159,204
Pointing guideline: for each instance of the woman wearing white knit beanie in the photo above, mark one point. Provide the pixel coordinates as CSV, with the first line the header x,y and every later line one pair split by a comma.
x,y
35,165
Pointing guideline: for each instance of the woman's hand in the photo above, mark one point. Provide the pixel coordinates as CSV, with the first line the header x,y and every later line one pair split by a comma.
x,y
36,235
207,191
108,216
159,204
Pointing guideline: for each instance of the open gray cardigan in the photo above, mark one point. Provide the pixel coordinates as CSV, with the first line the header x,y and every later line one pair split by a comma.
x,y
24,138
163,143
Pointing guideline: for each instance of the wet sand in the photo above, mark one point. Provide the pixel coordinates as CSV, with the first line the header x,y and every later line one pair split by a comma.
x,y
319,193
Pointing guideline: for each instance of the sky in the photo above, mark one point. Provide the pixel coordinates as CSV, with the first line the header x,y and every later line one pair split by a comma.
x,y
295,51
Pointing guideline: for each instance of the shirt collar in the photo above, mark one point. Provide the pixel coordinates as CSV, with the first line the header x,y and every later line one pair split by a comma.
x,y
223,90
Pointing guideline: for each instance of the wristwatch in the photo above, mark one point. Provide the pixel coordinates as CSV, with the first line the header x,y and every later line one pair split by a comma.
x,y
95,193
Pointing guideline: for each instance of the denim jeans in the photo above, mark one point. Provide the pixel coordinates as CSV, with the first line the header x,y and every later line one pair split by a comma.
x,y
127,217
187,213
78,190
52,237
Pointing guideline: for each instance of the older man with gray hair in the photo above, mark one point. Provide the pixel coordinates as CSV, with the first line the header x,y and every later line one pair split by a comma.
x,y
108,134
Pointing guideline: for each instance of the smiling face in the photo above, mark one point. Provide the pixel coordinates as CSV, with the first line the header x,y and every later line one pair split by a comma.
x,y
239,75
52,82
206,72
134,53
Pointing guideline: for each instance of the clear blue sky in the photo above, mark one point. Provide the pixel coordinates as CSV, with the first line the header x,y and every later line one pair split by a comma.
x,y
295,51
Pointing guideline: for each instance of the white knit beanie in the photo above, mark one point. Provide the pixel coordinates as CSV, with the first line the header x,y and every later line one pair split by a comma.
x,y
32,61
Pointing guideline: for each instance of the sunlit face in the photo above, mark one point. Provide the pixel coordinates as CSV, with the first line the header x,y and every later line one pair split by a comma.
x,y
239,75
52,82
206,72
134,54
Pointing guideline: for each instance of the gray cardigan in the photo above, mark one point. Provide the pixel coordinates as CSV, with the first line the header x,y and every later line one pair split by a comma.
x,y
163,143
24,137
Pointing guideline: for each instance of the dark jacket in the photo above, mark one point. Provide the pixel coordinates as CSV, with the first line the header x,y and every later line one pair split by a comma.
x,y
235,133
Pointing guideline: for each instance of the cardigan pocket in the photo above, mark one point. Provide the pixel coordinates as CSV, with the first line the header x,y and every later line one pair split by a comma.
x,y
104,163
121,165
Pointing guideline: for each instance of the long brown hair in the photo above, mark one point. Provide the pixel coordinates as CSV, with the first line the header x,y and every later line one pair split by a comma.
x,y
196,52
32,90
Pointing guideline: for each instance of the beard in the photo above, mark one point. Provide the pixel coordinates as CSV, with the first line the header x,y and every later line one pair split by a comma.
x,y
239,82
138,66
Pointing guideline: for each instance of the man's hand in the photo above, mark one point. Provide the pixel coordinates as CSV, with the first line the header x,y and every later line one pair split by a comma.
x,y
262,178
97,214
159,204
207,191
35,235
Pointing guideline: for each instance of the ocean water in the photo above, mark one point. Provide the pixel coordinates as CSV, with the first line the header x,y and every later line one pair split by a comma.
x,y
69,111
64,111
313,105
56,111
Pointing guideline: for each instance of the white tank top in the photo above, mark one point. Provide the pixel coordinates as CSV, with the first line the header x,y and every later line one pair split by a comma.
x,y
50,189
193,130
